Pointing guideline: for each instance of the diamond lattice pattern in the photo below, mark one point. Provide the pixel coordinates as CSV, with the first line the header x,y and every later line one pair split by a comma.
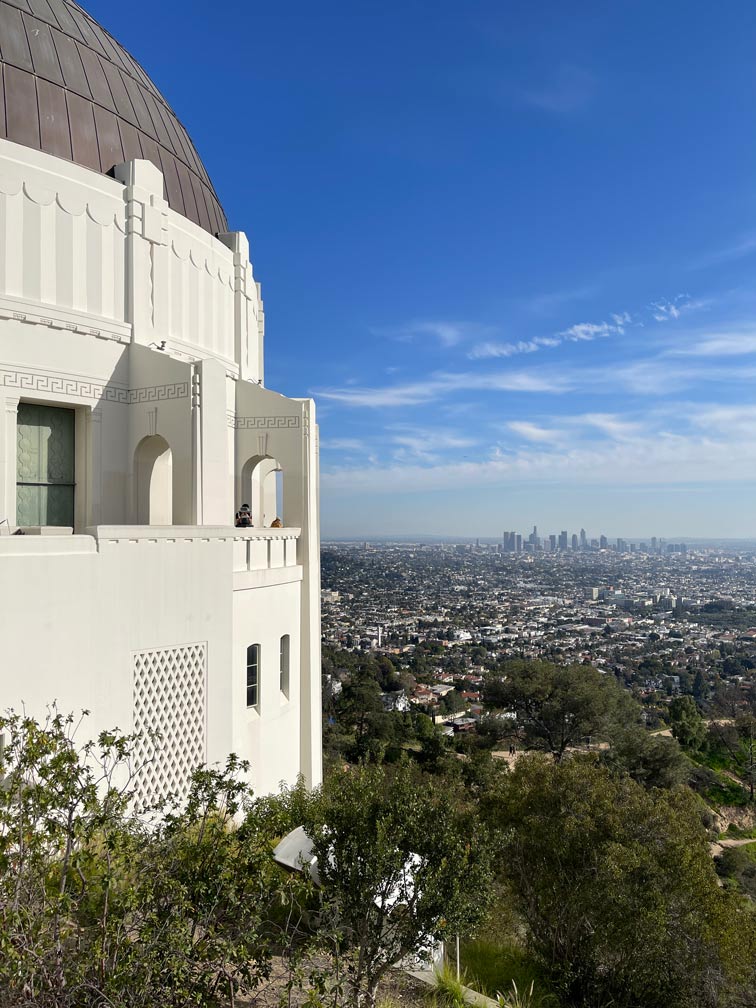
x,y
170,700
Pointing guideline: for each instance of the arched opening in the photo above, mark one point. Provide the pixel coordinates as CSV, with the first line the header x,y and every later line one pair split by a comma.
x,y
262,489
153,473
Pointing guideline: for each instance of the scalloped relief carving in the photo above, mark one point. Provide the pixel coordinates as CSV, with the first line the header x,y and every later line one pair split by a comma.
x,y
10,184
39,194
100,213
180,249
74,206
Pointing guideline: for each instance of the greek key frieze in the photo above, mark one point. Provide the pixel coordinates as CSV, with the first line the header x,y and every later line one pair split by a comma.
x,y
65,385
264,422
159,393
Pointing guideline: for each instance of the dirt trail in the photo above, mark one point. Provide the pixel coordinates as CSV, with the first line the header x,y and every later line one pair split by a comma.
x,y
717,847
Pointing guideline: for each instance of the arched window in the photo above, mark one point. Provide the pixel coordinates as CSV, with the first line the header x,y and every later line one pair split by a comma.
x,y
262,488
253,675
284,664
153,475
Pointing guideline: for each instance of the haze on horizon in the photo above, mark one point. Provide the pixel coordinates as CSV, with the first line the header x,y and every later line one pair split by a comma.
x,y
509,249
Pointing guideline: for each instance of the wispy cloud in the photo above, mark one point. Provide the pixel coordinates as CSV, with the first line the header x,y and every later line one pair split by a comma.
x,y
532,432
343,444
423,444
581,332
732,344
739,249
570,90
669,310
441,384
732,421
619,428
445,333
665,459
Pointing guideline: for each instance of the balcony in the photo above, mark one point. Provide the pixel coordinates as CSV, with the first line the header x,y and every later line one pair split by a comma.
x,y
259,557
265,549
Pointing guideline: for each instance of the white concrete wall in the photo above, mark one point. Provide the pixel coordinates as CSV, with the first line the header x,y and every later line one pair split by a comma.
x,y
269,733
88,603
115,306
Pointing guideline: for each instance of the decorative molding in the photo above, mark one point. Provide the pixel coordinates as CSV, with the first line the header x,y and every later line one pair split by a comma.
x,y
170,717
263,422
103,210
120,332
196,387
67,385
159,393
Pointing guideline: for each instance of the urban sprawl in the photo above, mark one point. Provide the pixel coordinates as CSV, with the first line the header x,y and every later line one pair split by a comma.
x,y
664,618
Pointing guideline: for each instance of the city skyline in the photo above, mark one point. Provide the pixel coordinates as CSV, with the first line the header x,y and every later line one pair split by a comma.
x,y
522,243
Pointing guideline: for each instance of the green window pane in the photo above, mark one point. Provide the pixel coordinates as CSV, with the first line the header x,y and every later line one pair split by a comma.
x,y
45,465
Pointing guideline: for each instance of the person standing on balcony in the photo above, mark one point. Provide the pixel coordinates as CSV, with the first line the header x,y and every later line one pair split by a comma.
x,y
243,517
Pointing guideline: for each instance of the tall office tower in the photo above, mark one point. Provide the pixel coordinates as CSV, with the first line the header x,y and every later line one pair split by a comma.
x,y
654,544
621,546
518,543
553,541
135,421
563,540
533,537
603,542
583,539
574,541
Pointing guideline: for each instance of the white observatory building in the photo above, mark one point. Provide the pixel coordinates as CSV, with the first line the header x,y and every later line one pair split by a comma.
x,y
134,420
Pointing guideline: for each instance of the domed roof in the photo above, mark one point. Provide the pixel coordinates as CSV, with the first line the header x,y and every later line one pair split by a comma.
x,y
69,89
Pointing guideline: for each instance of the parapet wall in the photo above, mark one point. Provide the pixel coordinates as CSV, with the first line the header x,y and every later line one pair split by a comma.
x,y
108,257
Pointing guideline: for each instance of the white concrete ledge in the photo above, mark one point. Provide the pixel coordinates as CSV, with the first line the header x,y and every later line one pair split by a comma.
x,y
175,533
182,533
36,545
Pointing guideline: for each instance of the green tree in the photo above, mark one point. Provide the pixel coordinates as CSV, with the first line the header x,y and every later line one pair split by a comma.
x,y
701,690
688,727
651,760
618,890
556,707
99,908
402,865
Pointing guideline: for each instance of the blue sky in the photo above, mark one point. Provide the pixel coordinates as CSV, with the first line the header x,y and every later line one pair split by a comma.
x,y
509,248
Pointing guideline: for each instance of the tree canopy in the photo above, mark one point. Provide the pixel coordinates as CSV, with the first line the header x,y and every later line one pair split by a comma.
x,y
618,889
557,707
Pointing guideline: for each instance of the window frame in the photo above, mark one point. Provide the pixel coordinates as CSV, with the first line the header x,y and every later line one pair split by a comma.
x,y
284,664
253,674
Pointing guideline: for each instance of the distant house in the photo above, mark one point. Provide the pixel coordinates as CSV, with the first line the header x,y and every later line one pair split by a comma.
x,y
395,701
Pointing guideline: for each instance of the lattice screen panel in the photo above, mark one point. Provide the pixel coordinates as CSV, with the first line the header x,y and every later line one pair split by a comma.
x,y
170,699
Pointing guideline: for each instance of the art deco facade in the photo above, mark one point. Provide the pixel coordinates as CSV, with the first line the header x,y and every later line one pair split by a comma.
x,y
134,419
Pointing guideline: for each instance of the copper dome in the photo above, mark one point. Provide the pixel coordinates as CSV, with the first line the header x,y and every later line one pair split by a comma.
x,y
69,89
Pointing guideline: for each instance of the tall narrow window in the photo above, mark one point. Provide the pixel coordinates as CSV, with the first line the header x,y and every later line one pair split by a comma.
x,y
253,674
45,488
285,664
